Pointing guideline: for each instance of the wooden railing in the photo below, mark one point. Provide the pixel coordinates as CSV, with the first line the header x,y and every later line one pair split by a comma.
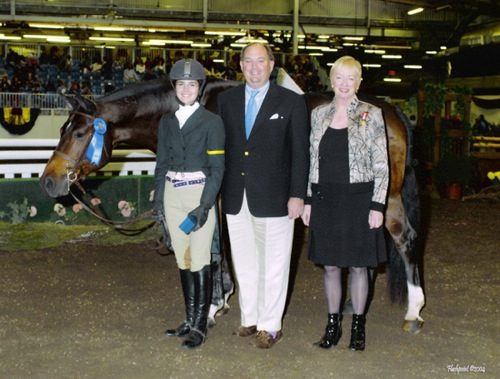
x,y
27,158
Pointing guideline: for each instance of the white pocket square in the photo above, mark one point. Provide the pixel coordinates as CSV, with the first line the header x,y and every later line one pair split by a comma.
x,y
274,116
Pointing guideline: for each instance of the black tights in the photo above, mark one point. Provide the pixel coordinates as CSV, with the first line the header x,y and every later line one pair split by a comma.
x,y
358,283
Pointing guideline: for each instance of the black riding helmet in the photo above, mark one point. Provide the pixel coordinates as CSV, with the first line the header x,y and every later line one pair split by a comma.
x,y
187,69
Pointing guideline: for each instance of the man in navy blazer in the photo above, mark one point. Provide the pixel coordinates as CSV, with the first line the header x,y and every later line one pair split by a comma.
x,y
263,189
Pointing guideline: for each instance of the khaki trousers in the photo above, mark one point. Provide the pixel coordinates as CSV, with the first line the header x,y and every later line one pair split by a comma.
x,y
261,249
192,252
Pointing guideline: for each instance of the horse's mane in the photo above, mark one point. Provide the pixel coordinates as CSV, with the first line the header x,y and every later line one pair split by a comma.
x,y
154,97
137,90
139,100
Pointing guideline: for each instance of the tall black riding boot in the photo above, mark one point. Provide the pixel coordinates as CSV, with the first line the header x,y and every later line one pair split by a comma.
x,y
357,333
203,291
333,332
187,282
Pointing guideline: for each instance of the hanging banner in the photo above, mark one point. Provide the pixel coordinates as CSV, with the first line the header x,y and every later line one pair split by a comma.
x,y
18,120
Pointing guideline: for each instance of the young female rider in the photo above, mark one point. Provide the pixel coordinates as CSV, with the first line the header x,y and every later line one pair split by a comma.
x,y
188,175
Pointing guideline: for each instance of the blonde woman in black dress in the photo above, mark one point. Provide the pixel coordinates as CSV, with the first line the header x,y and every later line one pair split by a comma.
x,y
347,190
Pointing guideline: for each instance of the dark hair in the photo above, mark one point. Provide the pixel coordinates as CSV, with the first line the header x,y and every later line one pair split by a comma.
x,y
270,54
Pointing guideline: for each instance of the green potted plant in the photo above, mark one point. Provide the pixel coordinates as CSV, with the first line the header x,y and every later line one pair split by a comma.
x,y
452,173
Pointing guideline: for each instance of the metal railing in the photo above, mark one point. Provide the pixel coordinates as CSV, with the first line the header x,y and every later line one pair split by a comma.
x,y
32,100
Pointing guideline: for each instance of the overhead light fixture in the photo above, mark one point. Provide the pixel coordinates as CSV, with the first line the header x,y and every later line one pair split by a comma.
x,y
372,65
114,39
413,66
59,39
4,37
394,80
224,33
399,47
349,38
389,56
161,42
374,51
201,44
248,40
51,38
316,54
163,30
236,44
109,28
45,26
411,12
349,44
442,47
218,60
431,52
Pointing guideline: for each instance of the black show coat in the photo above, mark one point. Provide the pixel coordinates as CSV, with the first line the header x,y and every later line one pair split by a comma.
x,y
273,164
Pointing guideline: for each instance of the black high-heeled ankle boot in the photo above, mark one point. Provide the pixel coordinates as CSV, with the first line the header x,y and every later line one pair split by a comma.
x,y
333,332
357,333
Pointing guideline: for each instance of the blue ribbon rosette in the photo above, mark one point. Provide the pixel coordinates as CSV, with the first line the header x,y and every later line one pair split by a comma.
x,y
94,150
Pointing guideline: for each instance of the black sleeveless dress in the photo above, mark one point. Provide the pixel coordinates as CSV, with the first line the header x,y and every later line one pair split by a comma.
x,y
339,231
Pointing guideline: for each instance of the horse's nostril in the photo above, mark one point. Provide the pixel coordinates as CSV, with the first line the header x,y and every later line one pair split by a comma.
x,y
48,183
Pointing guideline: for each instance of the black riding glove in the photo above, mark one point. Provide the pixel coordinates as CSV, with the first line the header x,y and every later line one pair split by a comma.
x,y
201,215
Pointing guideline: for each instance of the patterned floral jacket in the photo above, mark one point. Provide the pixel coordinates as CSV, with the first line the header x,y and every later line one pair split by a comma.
x,y
368,160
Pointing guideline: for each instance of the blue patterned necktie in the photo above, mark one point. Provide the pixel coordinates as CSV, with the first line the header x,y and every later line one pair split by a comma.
x,y
251,112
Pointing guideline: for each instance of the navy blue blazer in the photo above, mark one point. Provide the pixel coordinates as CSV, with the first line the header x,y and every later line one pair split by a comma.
x,y
273,165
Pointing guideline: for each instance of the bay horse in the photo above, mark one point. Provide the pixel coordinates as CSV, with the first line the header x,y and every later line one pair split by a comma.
x,y
132,115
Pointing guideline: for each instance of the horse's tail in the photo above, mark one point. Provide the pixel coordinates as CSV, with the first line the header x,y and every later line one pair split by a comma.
x,y
398,274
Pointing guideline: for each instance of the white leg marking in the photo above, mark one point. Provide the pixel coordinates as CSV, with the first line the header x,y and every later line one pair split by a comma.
x,y
416,301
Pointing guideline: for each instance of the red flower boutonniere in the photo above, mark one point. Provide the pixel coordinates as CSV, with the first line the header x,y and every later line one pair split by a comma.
x,y
363,118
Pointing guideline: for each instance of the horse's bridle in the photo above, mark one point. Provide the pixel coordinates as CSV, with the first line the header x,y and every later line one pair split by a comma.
x,y
73,177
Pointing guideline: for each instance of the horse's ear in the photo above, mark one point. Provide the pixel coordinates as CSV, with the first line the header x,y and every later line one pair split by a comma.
x,y
77,101
71,101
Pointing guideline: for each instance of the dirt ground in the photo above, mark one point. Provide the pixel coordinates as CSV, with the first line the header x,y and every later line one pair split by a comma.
x,y
87,311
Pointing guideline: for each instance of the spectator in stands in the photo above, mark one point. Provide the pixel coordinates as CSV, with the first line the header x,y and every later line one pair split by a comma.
x,y
15,84
86,88
148,63
61,87
66,63
139,66
74,88
43,59
13,59
149,74
31,83
85,67
54,57
50,86
130,75
159,66
4,84
107,68
96,65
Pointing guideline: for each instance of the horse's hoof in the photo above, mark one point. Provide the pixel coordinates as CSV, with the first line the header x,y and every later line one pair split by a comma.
x,y
413,326
224,310
211,322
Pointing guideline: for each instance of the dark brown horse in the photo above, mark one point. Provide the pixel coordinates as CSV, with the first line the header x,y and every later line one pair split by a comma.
x,y
132,115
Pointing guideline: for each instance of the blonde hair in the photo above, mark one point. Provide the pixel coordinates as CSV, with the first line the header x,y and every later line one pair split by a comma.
x,y
348,62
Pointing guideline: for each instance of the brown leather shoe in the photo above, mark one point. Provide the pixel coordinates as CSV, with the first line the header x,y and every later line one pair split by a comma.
x,y
265,340
246,331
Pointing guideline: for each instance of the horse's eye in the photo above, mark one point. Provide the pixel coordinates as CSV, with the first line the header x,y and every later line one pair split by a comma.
x,y
79,134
